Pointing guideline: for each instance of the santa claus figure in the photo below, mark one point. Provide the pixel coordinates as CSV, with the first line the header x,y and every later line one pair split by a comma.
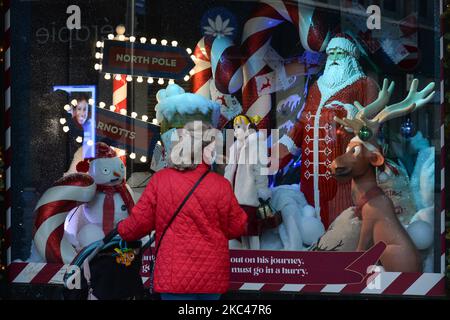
x,y
82,207
318,136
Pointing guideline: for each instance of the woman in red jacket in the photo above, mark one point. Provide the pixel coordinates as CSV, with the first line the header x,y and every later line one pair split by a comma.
x,y
193,261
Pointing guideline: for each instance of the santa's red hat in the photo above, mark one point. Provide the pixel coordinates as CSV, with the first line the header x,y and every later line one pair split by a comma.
x,y
102,150
345,42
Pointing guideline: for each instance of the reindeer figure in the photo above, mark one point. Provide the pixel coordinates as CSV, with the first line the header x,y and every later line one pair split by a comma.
x,y
358,163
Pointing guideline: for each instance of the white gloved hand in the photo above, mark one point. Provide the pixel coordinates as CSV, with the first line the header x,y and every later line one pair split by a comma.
x,y
264,193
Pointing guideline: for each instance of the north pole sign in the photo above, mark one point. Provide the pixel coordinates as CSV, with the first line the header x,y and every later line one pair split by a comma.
x,y
146,60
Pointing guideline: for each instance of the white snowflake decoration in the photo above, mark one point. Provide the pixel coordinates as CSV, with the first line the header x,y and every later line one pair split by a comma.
x,y
218,28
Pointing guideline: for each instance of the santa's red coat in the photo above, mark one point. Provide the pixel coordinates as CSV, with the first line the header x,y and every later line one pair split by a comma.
x,y
330,143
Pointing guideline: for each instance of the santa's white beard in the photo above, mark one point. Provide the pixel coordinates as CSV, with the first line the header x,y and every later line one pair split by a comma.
x,y
340,72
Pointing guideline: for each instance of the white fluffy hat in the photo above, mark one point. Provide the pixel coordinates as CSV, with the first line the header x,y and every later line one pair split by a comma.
x,y
345,42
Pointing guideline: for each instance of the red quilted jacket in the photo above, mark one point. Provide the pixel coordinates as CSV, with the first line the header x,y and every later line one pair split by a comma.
x,y
194,255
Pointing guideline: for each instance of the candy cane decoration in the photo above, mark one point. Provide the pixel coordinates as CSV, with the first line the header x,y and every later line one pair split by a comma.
x,y
51,212
256,39
218,74
202,73
120,93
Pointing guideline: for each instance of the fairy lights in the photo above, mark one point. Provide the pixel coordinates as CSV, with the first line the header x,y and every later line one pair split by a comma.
x,y
133,39
102,105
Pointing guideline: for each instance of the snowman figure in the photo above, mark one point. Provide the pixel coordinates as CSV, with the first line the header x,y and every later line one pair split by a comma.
x,y
83,207
112,200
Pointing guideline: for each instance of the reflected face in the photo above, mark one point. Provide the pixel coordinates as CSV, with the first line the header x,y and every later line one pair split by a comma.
x,y
81,112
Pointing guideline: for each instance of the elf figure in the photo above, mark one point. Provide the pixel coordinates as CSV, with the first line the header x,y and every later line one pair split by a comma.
x,y
245,171
82,208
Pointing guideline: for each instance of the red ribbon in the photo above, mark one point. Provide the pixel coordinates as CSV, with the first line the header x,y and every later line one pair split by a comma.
x,y
108,204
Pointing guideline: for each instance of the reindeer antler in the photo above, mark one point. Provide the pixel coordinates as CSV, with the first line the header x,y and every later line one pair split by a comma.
x,y
365,127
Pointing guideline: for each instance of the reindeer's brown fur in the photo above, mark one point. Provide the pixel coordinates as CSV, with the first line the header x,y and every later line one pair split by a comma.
x,y
379,222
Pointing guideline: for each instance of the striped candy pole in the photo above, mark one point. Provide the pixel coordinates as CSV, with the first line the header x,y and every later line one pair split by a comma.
x,y
443,155
256,39
8,151
120,87
120,93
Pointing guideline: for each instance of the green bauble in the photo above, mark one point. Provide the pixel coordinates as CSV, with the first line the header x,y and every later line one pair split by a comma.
x,y
365,133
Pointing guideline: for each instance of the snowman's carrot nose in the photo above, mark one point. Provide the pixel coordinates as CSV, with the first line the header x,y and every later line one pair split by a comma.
x,y
116,174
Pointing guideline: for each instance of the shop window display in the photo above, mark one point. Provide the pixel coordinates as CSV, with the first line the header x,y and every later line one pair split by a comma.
x,y
343,107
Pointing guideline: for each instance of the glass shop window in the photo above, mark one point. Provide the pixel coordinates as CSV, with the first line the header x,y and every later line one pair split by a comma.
x,y
313,76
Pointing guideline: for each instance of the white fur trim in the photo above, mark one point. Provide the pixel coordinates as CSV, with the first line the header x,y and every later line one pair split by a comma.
x,y
289,143
264,193
344,44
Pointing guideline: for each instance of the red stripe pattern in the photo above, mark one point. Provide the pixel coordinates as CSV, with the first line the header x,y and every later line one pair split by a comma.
x,y
8,150
257,35
404,284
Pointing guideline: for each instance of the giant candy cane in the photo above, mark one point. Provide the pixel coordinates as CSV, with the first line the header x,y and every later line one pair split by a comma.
x,y
51,212
257,35
218,73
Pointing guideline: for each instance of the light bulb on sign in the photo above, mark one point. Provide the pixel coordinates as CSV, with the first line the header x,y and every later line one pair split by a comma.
x,y
66,129
133,114
110,36
164,42
143,159
132,155
99,44
118,77
155,121
91,101
79,139
140,79
150,80
67,108
192,72
129,78
189,50
171,81
153,41
143,40
62,120
98,55
132,39
112,107
174,43
74,102
107,76
102,105
144,118
186,78
97,66
123,112
161,81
